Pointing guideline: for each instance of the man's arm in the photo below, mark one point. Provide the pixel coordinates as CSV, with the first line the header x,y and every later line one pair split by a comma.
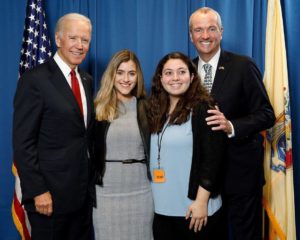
x,y
256,114
28,108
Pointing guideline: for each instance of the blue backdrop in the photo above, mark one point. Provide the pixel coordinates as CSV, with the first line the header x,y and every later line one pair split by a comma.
x,y
151,28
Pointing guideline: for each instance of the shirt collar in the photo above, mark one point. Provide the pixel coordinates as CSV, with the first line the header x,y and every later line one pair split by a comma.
x,y
213,61
63,66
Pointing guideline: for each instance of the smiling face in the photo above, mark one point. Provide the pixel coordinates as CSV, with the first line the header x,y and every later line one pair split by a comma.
x,y
205,34
175,78
125,80
73,41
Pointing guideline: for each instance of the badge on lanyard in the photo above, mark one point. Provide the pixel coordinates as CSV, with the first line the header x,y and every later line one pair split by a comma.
x,y
159,175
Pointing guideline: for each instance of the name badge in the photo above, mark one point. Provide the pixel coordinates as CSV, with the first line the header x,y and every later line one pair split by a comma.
x,y
159,176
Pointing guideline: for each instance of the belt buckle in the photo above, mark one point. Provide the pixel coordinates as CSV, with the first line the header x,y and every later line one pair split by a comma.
x,y
127,161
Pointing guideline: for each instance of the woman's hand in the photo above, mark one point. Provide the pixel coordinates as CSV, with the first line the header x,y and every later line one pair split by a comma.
x,y
197,211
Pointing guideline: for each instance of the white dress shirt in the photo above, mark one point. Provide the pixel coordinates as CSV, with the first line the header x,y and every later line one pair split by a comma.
x,y
214,64
66,70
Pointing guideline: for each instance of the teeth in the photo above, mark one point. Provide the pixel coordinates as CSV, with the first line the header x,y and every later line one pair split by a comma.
x,y
175,85
125,86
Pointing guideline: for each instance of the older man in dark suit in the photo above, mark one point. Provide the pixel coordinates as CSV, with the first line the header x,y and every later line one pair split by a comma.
x,y
53,115
243,111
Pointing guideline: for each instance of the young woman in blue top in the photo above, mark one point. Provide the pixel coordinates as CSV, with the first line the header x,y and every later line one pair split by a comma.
x,y
185,155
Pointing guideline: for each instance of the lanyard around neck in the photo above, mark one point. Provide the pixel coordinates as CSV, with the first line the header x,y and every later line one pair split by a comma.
x,y
159,140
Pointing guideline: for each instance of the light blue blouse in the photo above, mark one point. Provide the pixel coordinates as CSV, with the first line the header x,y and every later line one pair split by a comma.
x,y
170,197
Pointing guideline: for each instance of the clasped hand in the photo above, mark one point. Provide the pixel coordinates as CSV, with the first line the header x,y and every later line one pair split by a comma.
x,y
43,204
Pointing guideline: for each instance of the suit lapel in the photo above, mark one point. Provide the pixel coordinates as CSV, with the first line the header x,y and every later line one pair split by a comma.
x,y
222,70
63,87
87,95
223,67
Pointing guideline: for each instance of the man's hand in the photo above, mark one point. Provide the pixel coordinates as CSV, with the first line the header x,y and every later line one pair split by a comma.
x,y
43,204
218,120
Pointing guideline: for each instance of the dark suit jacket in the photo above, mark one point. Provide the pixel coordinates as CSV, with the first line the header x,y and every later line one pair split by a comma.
x,y
239,92
50,139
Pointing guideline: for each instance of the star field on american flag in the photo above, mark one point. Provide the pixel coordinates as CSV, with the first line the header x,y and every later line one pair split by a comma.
x,y
36,42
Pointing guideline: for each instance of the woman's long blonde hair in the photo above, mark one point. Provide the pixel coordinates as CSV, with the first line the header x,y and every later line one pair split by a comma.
x,y
106,102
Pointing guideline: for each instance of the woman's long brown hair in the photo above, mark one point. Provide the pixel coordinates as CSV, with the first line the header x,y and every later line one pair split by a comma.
x,y
159,102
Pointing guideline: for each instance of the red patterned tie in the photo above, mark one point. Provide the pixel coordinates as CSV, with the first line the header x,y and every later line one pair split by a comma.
x,y
76,89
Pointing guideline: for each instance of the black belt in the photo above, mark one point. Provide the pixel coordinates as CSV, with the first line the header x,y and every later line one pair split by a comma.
x,y
128,161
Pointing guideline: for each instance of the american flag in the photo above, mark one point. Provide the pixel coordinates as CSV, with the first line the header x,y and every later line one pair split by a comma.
x,y
35,50
36,42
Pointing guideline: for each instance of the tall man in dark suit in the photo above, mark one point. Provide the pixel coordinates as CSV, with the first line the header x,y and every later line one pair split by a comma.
x,y
243,111
53,114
